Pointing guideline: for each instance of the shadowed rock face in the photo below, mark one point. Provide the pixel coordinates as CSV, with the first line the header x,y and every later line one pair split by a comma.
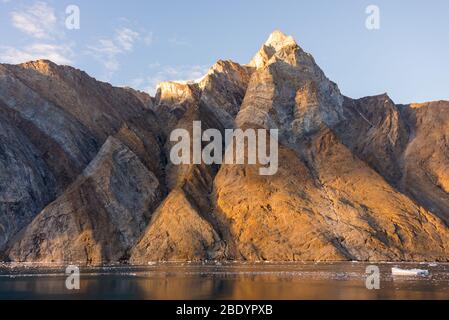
x,y
427,155
54,119
85,174
27,184
99,217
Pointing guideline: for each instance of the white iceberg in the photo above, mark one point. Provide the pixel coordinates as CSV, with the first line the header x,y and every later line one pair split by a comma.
x,y
409,272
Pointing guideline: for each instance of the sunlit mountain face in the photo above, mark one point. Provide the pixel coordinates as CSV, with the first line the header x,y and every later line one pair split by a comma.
x,y
86,173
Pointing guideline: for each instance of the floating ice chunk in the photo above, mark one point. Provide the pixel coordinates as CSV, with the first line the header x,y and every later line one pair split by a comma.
x,y
409,272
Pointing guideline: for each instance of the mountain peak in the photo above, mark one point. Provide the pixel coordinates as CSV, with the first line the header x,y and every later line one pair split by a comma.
x,y
278,40
41,64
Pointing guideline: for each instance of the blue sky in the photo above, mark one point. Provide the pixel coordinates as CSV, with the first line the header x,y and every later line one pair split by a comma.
x,y
139,43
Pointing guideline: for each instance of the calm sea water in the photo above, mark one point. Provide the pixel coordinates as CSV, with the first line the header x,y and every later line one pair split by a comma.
x,y
226,281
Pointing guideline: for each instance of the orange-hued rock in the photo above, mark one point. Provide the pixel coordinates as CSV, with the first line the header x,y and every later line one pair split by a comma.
x,y
177,232
86,176
324,203
278,217
183,227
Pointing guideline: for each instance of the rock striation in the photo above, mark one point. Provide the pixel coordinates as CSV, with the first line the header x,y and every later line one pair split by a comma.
x,y
85,174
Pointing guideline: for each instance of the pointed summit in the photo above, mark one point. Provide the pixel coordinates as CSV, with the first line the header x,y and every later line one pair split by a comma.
x,y
276,41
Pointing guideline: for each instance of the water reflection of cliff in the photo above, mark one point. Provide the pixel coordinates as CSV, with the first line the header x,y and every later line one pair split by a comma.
x,y
245,282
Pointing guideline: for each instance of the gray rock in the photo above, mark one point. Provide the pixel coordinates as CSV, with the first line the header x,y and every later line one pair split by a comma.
x,y
99,217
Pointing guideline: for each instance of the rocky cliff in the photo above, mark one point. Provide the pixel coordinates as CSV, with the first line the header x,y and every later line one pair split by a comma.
x,y
85,174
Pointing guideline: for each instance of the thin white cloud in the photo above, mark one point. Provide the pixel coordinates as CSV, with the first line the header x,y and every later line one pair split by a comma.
x,y
137,83
56,53
177,42
126,38
148,39
183,73
38,21
107,51
106,47
154,65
